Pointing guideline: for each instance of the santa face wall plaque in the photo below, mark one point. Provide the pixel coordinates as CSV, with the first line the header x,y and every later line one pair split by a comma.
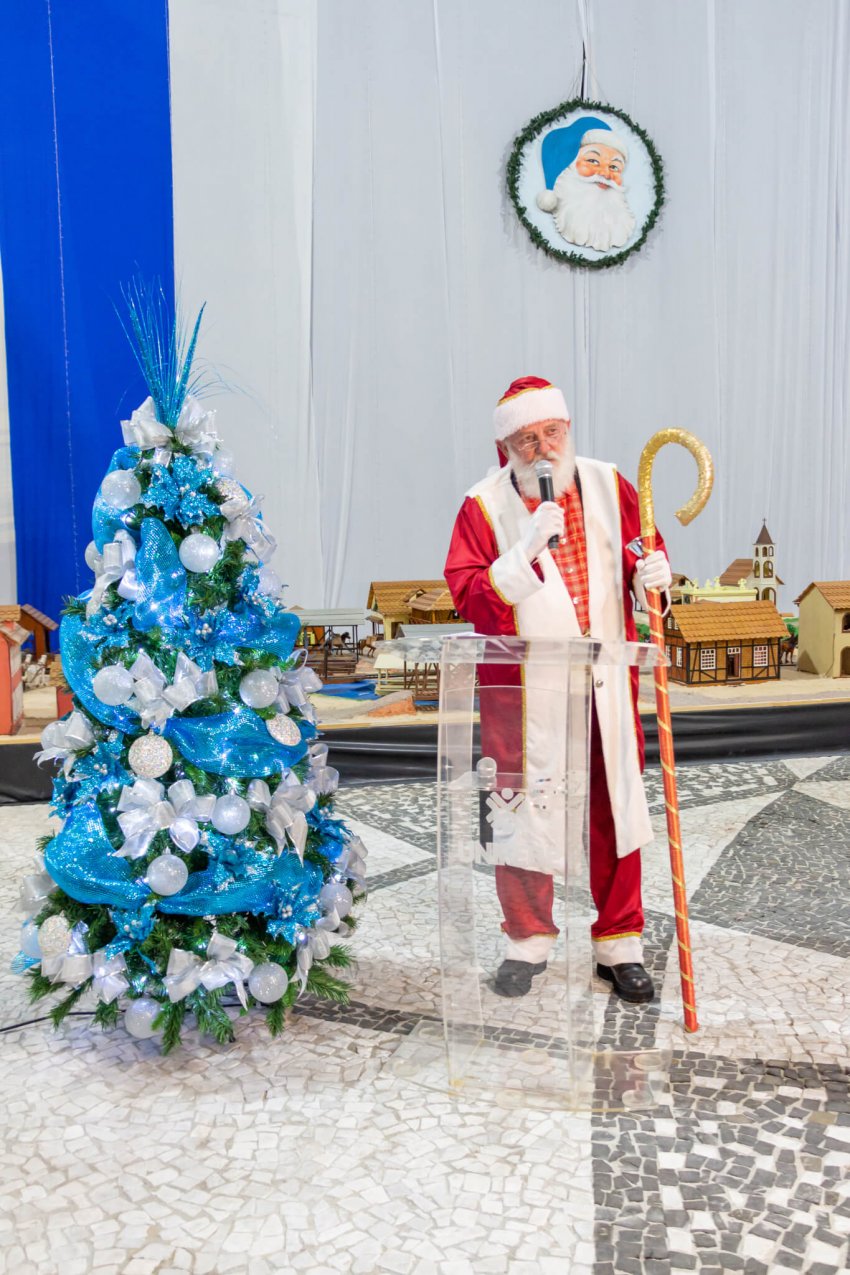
x,y
587,183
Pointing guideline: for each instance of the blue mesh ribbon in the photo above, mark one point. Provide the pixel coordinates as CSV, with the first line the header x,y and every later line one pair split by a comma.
x,y
215,892
105,520
161,577
80,645
235,743
82,862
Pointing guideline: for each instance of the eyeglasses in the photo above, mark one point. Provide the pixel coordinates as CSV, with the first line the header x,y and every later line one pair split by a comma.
x,y
530,442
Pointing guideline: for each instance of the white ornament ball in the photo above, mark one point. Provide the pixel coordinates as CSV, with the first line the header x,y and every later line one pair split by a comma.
x,y
150,756
336,897
199,553
259,689
267,983
54,935
30,945
231,814
284,730
269,582
113,684
167,874
91,555
139,1017
120,489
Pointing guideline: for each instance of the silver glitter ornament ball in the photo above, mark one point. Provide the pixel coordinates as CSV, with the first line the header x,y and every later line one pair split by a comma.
x,y
150,756
53,936
284,730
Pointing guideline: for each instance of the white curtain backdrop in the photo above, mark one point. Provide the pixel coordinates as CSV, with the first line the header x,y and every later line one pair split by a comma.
x,y
428,298
242,97
340,204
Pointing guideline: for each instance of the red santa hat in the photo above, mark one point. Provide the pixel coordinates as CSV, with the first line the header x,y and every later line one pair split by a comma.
x,y
527,401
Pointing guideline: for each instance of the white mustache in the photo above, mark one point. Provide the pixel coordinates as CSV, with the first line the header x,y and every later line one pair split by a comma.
x,y
598,181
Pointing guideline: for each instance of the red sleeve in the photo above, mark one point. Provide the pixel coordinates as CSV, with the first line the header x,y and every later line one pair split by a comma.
x,y
472,552
630,522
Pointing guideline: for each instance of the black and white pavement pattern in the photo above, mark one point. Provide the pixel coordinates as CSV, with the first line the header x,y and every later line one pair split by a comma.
x,y
317,1153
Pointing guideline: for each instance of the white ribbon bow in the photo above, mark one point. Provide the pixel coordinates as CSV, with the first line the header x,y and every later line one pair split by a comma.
x,y
241,512
351,864
36,888
144,430
322,778
224,965
145,812
313,945
74,965
109,981
117,564
195,428
295,686
283,818
155,700
61,739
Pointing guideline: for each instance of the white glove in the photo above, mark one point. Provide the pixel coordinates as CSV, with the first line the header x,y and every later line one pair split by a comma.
x,y
546,521
653,572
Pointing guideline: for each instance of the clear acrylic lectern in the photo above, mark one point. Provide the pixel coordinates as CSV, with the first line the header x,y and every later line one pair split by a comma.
x,y
513,791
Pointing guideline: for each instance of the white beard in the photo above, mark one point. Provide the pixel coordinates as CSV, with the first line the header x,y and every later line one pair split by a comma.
x,y
589,216
563,471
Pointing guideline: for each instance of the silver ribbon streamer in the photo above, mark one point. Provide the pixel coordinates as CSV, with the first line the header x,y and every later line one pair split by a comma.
x,y
144,430
186,971
62,738
283,818
155,700
109,977
75,964
116,565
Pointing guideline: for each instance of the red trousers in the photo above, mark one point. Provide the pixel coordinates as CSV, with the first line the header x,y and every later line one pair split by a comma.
x,y
526,897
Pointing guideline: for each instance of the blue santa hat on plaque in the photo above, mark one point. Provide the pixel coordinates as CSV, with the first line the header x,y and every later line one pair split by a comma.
x,y
560,148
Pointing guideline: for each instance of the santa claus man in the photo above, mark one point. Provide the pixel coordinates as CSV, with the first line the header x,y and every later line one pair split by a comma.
x,y
505,580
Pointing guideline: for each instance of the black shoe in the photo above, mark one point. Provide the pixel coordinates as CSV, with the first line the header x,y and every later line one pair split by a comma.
x,y
631,982
513,978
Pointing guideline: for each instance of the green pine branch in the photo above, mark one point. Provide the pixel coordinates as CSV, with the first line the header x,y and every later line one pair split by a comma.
x,y
276,1017
106,1016
323,984
39,985
170,1019
61,1011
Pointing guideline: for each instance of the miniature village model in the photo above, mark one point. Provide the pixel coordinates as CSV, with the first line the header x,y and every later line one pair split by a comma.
x,y
713,642
824,636
757,573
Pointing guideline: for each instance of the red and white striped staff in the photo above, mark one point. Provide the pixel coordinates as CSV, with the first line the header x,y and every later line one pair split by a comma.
x,y
685,515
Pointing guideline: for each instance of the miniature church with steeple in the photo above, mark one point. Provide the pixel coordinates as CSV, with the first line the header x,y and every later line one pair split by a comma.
x,y
757,572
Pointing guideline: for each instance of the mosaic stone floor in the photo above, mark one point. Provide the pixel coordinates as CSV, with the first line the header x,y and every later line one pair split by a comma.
x,y
318,1153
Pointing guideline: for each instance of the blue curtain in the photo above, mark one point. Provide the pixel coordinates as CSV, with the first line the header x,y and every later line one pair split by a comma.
x,y
85,204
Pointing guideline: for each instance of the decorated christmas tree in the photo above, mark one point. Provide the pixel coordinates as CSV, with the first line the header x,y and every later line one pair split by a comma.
x,y
198,866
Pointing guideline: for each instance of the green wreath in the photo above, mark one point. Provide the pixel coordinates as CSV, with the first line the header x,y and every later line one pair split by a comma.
x,y
536,126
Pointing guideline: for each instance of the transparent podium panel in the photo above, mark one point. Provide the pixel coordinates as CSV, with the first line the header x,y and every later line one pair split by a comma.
x,y
513,794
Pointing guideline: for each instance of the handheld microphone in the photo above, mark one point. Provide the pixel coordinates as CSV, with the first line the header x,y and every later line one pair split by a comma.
x,y
543,469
